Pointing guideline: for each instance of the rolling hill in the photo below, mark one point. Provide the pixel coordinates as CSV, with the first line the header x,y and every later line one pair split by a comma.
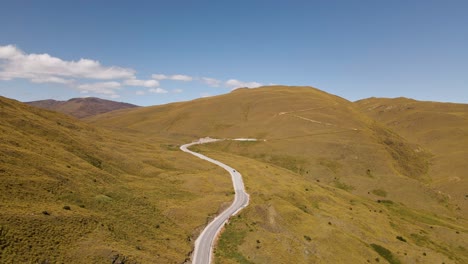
x,y
441,128
74,193
326,179
81,107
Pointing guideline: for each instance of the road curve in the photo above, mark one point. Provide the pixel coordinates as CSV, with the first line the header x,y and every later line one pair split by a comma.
x,y
204,244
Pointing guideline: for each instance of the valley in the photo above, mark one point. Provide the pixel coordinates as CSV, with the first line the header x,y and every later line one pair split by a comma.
x,y
330,181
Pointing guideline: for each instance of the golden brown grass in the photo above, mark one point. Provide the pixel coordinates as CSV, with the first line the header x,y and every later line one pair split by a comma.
x,y
294,220
73,193
440,128
323,161
331,183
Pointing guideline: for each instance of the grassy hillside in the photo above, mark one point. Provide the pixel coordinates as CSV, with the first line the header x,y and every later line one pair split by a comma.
x,y
306,130
261,113
72,193
81,107
325,142
292,219
441,128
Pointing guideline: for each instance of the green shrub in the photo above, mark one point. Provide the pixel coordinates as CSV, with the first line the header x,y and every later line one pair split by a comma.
x,y
385,253
385,201
401,238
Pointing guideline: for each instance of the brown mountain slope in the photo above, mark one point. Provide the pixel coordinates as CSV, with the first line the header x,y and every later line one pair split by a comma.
x,y
72,193
263,113
441,128
321,157
81,107
306,130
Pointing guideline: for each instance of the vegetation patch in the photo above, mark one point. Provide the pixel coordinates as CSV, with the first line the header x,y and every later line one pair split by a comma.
x,y
411,163
341,185
415,216
230,239
380,192
401,238
385,253
385,201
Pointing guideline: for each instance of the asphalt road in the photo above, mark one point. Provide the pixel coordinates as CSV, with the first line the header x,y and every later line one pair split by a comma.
x,y
204,244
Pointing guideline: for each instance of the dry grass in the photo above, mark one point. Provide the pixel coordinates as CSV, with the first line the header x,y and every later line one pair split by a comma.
x,y
440,128
300,221
128,197
328,183
322,156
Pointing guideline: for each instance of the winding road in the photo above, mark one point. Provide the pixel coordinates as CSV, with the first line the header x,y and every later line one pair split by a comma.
x,y
204,244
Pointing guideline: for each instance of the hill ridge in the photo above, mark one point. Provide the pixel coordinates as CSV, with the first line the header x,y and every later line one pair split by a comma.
x,y
81,107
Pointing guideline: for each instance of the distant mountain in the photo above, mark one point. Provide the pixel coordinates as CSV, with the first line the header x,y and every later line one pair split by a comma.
x,y
81,107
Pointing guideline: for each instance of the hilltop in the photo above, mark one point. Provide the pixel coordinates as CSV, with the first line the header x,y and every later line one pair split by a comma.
x,y
321,160
81,107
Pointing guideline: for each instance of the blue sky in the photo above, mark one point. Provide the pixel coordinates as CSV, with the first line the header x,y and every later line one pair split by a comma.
x,y
155,52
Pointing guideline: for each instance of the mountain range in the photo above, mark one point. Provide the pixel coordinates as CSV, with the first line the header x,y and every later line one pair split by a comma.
x,y
330,181
81,107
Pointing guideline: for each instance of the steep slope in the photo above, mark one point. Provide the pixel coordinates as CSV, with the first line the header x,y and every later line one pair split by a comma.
x,y
321,157
72,193
81,107
441,128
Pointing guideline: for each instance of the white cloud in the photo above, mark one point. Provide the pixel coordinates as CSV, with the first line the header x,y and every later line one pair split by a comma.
x,y
78,74
236,84
105,88
211,81
9,51
176,77
142,83
42,67
157,90
159,77
204,95
51,79
179,77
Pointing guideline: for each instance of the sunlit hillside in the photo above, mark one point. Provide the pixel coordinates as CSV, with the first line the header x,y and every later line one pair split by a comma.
x,y
72,193
306,130
441,128
311,138
292,219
